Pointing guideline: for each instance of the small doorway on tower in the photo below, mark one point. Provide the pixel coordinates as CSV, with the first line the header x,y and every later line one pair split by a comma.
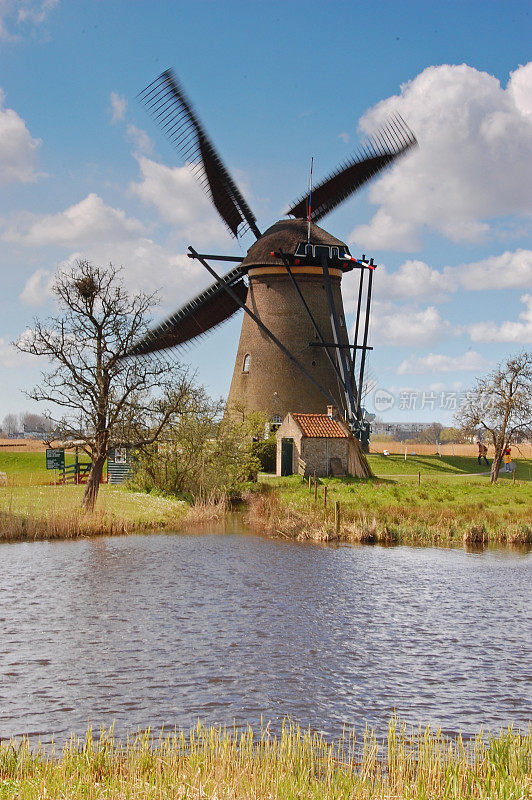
x,y
287,456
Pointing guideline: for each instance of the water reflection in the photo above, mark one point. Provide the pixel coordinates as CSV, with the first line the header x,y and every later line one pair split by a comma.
x,y
153,630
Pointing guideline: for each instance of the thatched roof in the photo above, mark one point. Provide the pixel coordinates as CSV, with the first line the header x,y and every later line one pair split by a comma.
x,y
286,234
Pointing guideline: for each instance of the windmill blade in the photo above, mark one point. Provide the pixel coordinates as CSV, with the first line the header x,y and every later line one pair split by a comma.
x,y
204,312
393,139
172,110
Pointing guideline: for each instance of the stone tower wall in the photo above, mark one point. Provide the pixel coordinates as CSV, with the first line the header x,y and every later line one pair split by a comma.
x,y
274,385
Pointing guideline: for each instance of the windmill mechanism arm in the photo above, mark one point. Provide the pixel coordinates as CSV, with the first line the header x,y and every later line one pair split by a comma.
x,y
200,315
394,139
242,304
167,103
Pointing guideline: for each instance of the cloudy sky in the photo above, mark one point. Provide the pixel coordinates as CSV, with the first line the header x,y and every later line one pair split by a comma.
x,y
84,172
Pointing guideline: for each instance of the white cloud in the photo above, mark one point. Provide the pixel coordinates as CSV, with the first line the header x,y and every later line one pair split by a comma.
x,y
344,136
18,149
414,279
175,193
90,220
437,362
140,139
519,88
519,332
37,288
506,271
10,357
118,107
35,12
147,267
402,325
473,164
387,231
20,13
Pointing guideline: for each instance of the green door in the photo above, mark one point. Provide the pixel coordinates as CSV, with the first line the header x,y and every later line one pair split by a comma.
x,y
287,456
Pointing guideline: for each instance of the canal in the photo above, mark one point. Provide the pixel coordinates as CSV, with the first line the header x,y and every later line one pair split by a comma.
x,y
226,626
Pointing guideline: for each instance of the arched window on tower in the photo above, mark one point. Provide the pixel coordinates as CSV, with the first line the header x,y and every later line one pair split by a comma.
x,y
246,363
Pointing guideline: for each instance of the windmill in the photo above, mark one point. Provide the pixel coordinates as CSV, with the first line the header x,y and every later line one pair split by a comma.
x,y
294,352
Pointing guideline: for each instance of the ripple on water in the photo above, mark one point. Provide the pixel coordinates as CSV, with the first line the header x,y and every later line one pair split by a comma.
x,y
161,630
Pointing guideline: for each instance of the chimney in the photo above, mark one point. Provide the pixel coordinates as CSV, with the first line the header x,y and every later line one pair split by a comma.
x,y
332,412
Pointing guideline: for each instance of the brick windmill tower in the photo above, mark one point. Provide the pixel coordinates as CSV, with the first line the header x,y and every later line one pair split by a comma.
x,y
294,352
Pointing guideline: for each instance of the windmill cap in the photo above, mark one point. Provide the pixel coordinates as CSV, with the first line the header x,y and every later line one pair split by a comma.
x,y
285,235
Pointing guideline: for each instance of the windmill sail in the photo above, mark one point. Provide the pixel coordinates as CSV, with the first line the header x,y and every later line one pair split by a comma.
x,y
394,139
202,314
169,106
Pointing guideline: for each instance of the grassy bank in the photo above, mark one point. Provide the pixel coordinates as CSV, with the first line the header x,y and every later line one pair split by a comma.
x,y
54,512
446,504
31,507
423,500
214,763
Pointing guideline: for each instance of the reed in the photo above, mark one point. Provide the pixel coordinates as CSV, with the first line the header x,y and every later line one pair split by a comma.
x,y
216,762
206,510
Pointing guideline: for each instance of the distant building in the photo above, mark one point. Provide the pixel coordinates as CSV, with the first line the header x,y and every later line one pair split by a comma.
x,y
398,430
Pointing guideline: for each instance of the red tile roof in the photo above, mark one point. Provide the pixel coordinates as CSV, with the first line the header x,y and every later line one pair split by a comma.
x,y
318,426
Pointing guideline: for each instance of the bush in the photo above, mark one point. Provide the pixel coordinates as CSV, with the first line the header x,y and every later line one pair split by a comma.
x,y
266,452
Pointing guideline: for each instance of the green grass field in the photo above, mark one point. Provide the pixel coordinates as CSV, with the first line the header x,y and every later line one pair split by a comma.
x,y
29,469
446,466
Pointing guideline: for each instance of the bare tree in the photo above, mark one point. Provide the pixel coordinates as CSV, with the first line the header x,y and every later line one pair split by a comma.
x,y
10,424
36,422
105,398
431,435
501,406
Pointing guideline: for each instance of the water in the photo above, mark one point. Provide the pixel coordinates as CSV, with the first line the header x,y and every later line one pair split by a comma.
x,y
165,629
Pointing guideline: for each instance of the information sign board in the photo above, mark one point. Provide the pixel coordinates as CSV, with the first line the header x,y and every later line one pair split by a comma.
x,y
55,459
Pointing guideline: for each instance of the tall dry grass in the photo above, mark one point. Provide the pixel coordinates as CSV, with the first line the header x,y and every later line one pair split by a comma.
x,y
211,763
57,524
206,510
391,524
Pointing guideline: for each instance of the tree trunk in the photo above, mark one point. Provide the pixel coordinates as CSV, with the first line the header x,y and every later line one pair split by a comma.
x,y
495,466
93,483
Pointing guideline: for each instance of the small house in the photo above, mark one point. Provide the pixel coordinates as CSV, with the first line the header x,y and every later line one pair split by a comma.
x,y
119,464
320,444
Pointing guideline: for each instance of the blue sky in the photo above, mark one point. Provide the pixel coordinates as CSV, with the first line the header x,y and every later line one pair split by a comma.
x,y
84,172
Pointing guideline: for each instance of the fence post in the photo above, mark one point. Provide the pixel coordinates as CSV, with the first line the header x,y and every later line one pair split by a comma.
x,y
418,478
337,517
315,487
325,495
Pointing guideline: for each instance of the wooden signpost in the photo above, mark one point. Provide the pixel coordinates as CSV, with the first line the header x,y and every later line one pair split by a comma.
x,y
55,459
